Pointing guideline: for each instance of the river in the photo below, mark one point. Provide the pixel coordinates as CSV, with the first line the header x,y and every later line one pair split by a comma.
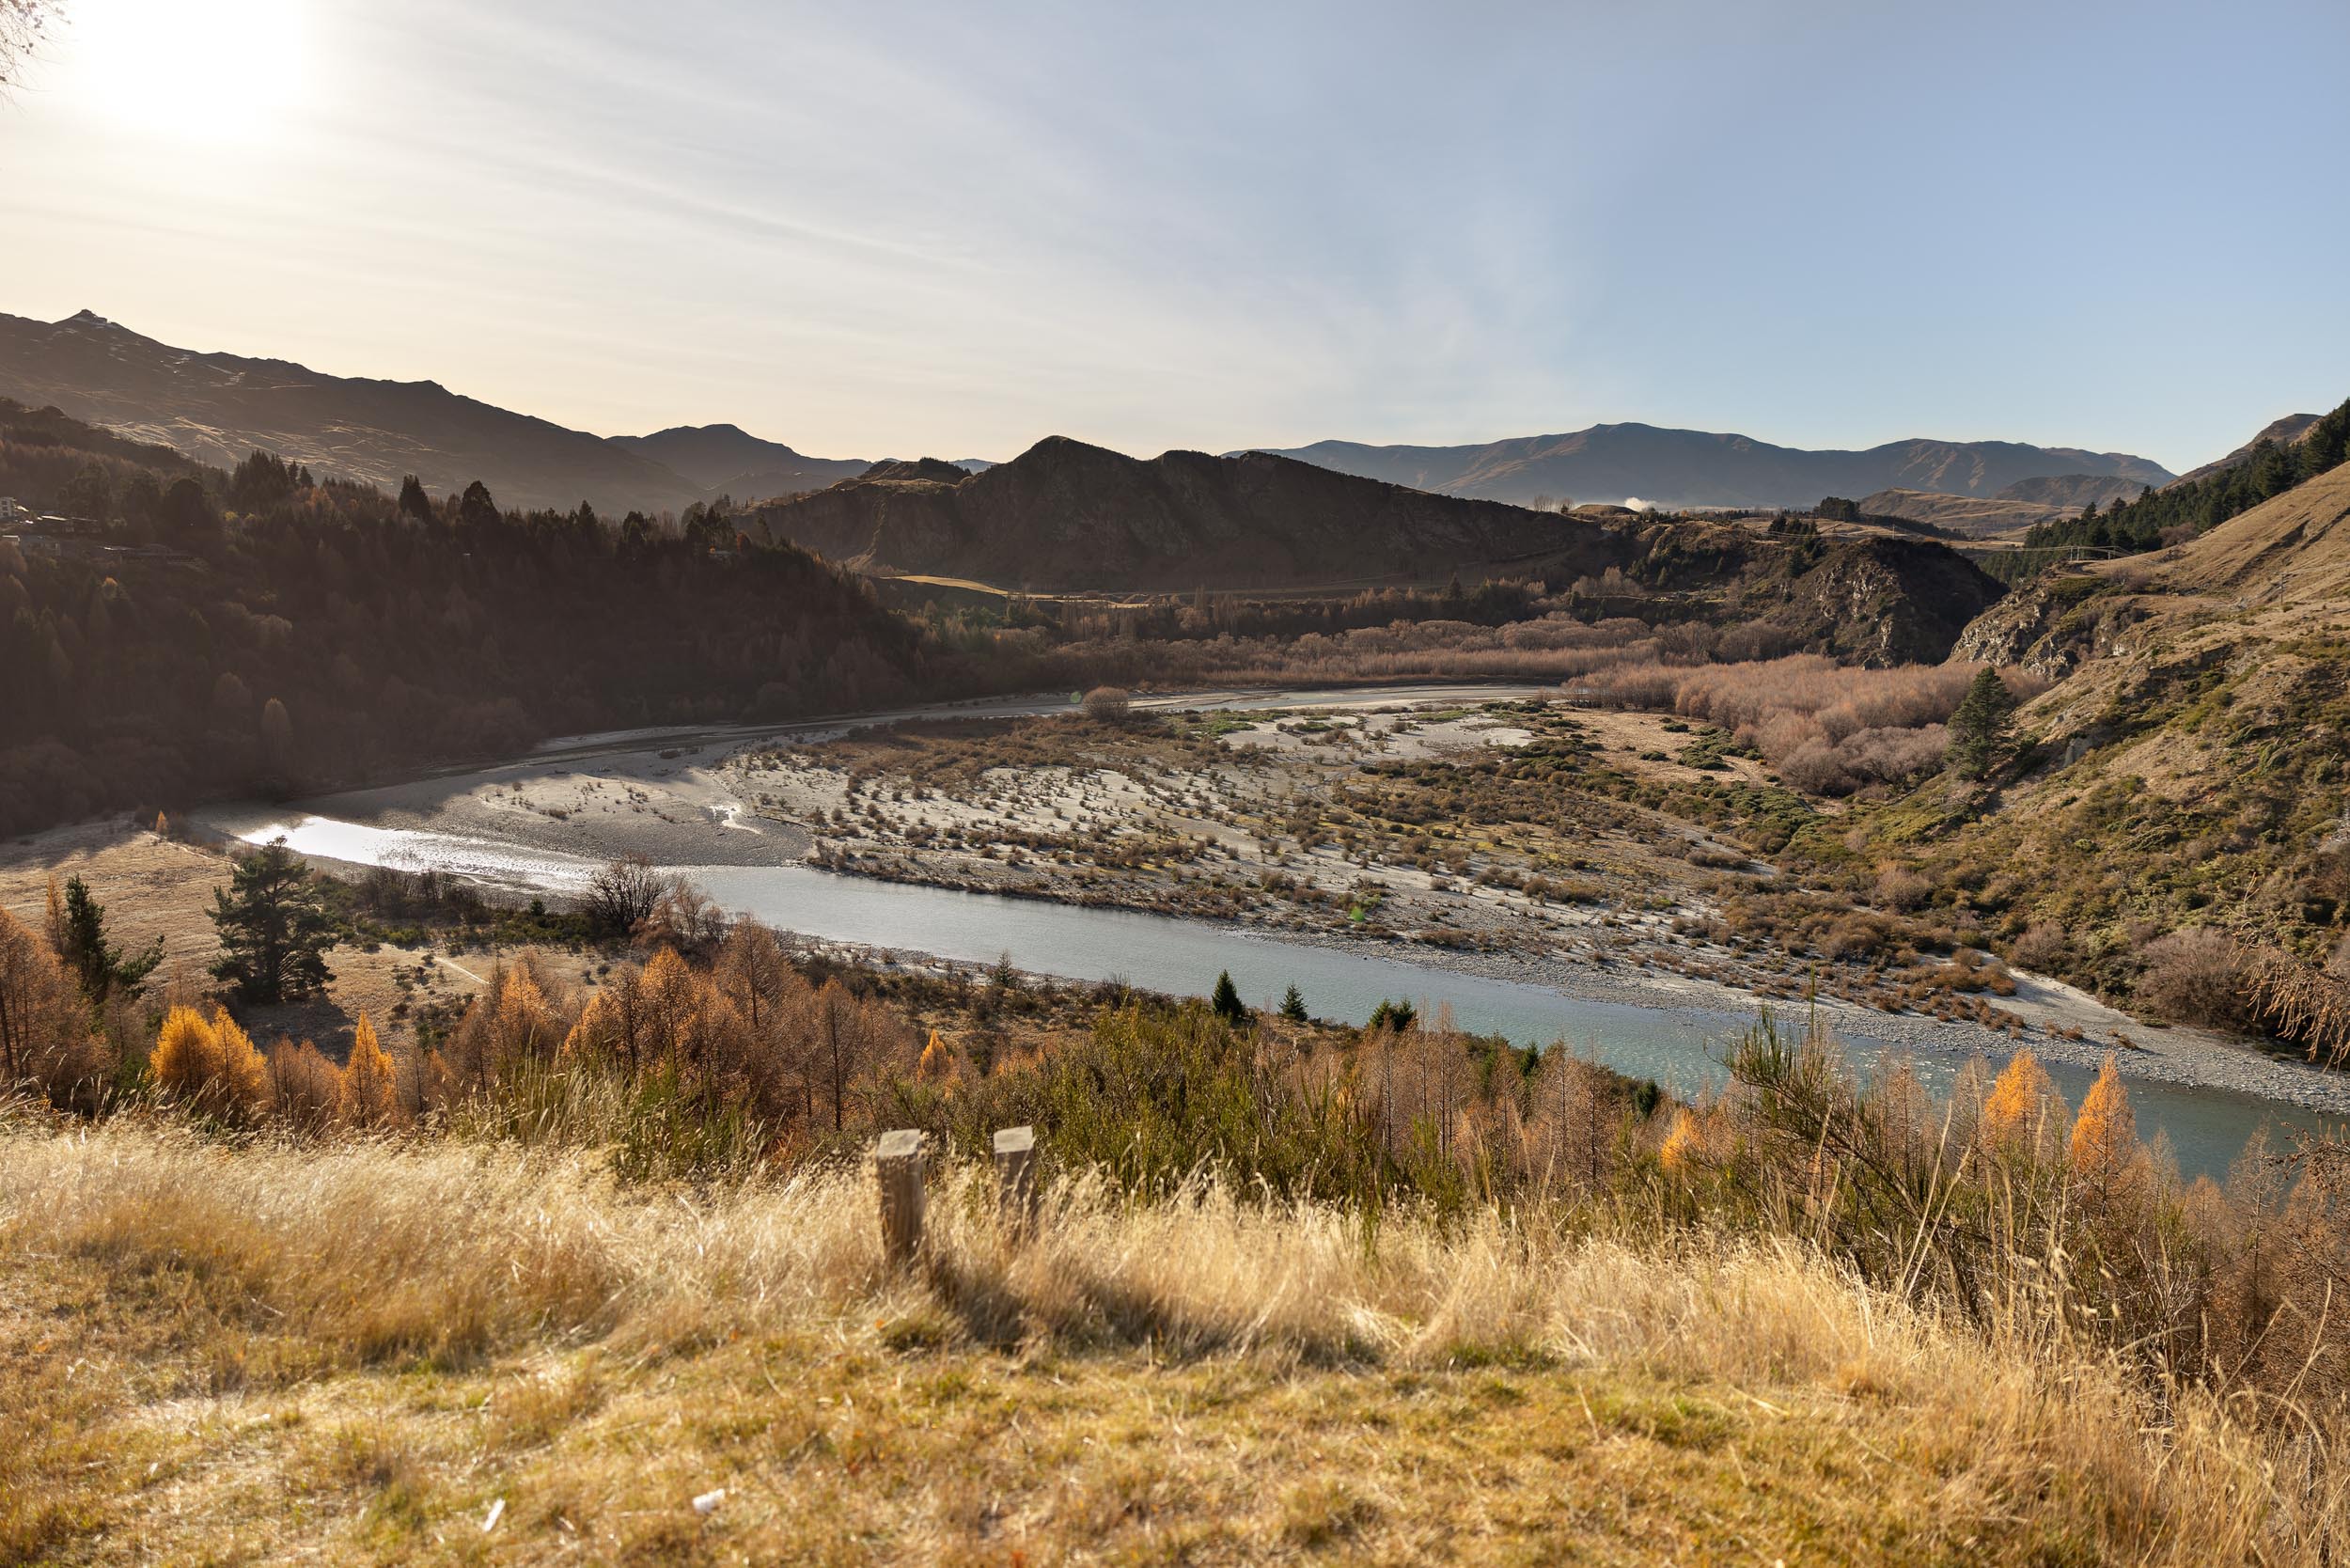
x,y
1681,1048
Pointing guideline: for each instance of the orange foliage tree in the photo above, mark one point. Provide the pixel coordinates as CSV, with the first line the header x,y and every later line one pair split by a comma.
x,y
209,1064
370,1083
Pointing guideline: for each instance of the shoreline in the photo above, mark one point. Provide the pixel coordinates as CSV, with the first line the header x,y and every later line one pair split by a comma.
x,y
682,811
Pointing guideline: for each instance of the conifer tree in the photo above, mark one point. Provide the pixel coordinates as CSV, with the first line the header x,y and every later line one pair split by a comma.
x,y
1979,730
371,1087
2105,1139
78,930
273,928
1227,1001
1293,1005
2023,1103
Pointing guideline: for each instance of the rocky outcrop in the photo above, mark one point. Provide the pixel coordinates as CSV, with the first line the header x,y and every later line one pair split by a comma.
x,y
1885,600
2050,627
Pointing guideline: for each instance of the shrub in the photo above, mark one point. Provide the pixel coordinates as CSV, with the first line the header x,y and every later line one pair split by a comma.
x,y
2196,977
2046,947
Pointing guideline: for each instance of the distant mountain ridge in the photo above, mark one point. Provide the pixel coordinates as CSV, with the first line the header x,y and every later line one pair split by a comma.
x,y
1065,514
218,407
728,459
1700,468
2013,507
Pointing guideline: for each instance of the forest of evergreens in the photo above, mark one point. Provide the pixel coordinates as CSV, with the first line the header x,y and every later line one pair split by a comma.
x,y
205,632
2192,507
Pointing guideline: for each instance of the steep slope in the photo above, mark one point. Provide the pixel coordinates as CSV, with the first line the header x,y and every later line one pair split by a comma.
x,y
1699,469
726,459
217,407
1881,602
2183,771
1064,514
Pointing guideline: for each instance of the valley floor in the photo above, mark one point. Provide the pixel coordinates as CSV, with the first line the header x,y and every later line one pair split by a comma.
x,y
1343,820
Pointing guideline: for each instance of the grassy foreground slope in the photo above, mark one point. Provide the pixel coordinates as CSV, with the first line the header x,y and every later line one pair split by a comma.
x,y
444,1351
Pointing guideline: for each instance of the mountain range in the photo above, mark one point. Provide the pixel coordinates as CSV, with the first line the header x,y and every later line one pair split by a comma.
x,y
217,407
1700,468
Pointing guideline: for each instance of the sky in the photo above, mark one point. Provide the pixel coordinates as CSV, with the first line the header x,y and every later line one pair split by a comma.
x,y
946,230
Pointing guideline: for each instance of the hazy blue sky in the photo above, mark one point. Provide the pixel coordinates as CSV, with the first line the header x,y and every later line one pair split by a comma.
x,y
951,229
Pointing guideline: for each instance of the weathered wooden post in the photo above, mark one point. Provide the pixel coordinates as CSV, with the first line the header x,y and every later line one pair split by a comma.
x,y
898,1164
1016,1196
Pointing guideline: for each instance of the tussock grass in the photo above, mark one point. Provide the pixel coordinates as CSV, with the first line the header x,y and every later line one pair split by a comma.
x,y
431,1324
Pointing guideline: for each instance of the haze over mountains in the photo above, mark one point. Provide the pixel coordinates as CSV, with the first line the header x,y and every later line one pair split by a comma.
x,y
217,407
1699,469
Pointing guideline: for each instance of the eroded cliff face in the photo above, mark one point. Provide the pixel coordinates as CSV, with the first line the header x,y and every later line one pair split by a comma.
x,y
1885,600
2051,627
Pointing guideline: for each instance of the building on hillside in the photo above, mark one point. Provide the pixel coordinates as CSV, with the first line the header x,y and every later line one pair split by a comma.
x,y
12,510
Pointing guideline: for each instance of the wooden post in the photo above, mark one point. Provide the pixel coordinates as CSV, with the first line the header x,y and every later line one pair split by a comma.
x,y
897,1164
1016,1196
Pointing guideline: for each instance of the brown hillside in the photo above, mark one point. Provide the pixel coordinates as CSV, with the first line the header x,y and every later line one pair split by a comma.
x,y
1976,516
1064,514
2284,433
2292,549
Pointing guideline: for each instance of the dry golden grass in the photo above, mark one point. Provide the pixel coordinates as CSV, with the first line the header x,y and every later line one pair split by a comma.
x,y
354,1350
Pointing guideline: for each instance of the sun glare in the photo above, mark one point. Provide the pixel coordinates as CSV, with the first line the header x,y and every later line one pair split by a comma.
x,y
223,68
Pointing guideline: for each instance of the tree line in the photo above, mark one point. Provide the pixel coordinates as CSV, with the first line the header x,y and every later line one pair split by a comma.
x,y
2193,507
259,630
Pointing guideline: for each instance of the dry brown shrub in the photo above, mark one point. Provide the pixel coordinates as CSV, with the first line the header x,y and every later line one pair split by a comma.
x,y
2045,948
45,1039
1899,887
2198,977
305,1087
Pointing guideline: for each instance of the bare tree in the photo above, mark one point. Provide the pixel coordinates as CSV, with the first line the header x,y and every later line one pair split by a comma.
x,y
622,893
1111,704
23,23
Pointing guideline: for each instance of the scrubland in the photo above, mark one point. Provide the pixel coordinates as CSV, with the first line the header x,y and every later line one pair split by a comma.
x,y
1297,1291
451,1347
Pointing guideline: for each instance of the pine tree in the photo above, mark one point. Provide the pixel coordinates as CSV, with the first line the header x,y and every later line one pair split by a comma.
x,y
1979,730
414,501
273,928
1227,1001
78,924
1293,1005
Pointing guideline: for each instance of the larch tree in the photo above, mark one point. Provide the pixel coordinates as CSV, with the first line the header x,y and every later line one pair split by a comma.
x,y
371,1090
2104,1149
209,1064
38,1019
2023,1110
